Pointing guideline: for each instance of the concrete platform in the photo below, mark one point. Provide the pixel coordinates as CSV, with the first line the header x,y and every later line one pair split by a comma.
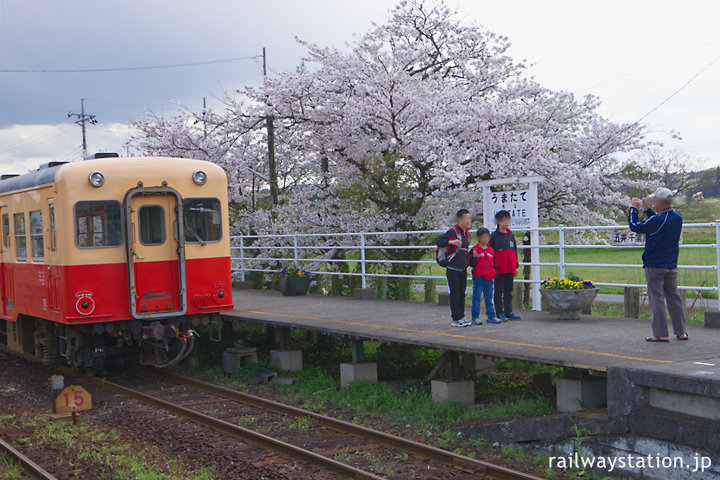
x,y
663,391
589,343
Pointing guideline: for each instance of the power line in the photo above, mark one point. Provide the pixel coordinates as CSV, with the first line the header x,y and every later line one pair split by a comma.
x,y
690,80
656,107
647,67
124,69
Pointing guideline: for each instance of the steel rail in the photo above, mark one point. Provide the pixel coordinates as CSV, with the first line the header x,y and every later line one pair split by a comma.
x,y
427,451
33,469
227,428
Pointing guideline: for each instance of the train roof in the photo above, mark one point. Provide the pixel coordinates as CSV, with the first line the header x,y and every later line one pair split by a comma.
x,y
47,174
41,176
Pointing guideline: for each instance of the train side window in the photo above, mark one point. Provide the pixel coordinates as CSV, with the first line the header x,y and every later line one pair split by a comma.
x,y
6,230
152,224
51,210
36,235
20,241
98,223
202,219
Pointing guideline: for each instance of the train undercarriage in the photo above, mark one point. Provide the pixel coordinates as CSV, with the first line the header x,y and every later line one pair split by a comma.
x,y
160,343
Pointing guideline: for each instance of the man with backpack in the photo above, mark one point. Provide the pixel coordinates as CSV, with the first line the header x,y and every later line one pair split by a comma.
x,y
453,254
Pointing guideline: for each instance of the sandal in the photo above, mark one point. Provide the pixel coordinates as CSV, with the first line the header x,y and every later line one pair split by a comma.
x,y
683,336
656,339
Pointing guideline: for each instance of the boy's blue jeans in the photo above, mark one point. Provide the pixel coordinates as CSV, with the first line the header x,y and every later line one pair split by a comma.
x,y
482,287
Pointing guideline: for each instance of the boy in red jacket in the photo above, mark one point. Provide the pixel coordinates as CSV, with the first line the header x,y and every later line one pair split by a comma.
x,y
502,241
483,274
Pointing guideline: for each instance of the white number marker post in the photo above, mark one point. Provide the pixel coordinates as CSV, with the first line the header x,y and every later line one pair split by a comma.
x,y
523,208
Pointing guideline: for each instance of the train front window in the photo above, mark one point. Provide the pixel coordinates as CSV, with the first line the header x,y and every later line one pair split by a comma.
x,y
202,219
98,223
152,224
36,235
20,241
6,230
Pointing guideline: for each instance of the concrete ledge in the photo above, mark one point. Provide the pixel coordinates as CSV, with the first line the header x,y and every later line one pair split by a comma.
x,y
240,285
675,427
712,319
575,394
290,360
545,429
684,377
696,405
357,372
461,391
364,293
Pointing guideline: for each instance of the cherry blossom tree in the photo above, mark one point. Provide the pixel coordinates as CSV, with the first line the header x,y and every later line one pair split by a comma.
x,y
394,131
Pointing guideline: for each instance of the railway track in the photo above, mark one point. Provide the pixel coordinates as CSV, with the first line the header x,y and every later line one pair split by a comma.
x,y
332,431
478,467
35,471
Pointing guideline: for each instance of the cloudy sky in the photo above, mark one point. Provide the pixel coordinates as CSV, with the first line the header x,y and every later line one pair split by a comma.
x,y
632,54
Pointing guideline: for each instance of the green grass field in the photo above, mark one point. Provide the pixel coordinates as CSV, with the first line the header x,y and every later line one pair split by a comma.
x,y
629,256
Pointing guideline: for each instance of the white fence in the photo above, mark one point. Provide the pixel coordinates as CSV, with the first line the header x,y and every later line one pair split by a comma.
x,y
314,252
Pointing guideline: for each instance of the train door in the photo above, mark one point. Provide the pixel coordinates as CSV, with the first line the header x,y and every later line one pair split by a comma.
x,y
51,261
155,252
5,285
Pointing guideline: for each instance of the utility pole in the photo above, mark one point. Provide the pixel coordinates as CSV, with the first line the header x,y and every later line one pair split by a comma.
x,y
83,118
203,114
269,121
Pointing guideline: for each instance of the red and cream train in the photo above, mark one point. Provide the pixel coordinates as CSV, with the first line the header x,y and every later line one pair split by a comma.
x,y
112,257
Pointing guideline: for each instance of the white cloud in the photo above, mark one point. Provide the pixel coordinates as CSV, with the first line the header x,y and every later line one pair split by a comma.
x,y
26,147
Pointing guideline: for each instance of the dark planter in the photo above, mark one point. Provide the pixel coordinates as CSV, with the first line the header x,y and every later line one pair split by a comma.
x,y
567,304
294,285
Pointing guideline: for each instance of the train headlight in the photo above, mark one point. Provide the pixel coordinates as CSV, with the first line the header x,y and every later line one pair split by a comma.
x,y
199,177
96,179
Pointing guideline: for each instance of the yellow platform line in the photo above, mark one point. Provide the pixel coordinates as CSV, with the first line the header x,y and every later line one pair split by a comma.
x,y
453,335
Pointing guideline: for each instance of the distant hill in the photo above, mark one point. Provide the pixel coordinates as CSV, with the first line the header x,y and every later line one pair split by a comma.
x,y
705,181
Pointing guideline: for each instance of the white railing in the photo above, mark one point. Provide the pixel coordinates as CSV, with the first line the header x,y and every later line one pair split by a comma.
x,y
249,252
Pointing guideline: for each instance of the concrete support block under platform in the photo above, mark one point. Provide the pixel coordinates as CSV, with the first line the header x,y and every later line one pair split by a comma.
x,y
461,391
365,293
237,357
357,372
478,363
290,360
575,394
712,319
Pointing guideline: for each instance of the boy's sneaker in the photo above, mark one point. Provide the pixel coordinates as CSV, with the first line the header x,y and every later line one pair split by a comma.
x,y
493,320
512,316
476,321
501,317
460,323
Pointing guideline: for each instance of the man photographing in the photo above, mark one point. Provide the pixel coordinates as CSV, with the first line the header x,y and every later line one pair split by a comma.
x,y
662,231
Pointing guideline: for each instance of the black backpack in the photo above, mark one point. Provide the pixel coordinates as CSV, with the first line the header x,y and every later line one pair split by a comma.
x,y
443,255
